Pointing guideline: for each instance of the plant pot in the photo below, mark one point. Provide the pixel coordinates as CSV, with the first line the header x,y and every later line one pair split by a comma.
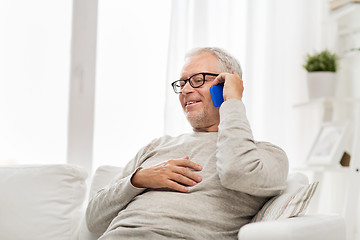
x,y
321,84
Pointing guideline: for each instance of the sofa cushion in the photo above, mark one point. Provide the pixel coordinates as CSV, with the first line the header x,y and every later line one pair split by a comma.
x,y
308,227
102,177
291,203
41,202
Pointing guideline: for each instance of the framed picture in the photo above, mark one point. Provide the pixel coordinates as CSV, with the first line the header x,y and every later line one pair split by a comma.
x,y
329,145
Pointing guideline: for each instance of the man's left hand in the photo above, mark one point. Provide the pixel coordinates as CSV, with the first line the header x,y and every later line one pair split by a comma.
x,y
233,85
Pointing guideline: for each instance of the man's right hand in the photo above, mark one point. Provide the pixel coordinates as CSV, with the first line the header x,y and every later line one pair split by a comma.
x,y
173,174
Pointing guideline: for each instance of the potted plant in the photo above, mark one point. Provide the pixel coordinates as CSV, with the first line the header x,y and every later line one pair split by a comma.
x,y
321,68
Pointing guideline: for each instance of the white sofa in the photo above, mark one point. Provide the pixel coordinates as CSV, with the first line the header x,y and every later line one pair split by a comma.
x,y
47,202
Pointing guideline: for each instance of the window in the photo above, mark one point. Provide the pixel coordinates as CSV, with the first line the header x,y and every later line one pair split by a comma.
x,y
130,82
34,76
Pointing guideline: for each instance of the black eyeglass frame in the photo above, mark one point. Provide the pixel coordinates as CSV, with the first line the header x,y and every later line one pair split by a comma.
x,y
191,84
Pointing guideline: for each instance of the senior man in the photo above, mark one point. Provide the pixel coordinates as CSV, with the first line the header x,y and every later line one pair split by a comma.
x,y
200,185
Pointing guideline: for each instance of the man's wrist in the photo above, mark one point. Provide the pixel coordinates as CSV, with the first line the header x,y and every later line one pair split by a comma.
x,y
134,180
233,97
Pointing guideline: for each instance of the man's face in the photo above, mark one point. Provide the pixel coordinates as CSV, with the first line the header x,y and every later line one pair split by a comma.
x,y
196,102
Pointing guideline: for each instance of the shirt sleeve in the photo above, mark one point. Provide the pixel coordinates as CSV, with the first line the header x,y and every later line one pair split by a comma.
x,y
108,202
256,168
105,205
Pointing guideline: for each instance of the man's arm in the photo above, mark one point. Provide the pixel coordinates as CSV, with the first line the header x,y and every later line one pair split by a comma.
x,y
110,200
256,168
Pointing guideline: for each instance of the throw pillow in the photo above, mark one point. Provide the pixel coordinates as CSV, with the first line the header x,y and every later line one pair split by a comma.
x,y
291,203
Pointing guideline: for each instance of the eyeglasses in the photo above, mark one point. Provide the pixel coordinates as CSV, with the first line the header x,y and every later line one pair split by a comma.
x,y
196,81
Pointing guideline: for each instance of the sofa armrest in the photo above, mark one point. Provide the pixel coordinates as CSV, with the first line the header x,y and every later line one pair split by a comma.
x,y
309,227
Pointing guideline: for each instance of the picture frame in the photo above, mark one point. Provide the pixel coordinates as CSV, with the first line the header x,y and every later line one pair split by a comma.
x,y
329,145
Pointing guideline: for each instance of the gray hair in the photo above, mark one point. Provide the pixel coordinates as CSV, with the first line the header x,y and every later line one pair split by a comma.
x,y
227,62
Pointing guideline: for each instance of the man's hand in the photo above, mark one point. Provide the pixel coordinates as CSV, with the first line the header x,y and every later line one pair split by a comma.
x,y
173,174
233,85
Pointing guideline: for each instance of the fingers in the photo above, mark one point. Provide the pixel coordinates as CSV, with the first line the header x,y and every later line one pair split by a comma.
x,y
183,180
182,177
185,162
185,176
219,79
233,85
222,77
177,187
181,171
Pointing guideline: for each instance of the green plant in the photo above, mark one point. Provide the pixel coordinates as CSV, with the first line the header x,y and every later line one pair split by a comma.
x,y
324,61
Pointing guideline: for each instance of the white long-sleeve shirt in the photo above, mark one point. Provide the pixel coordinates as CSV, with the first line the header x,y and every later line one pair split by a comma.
x,y
238,176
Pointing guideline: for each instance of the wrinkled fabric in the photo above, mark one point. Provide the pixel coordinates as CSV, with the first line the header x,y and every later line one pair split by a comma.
x,y
239,174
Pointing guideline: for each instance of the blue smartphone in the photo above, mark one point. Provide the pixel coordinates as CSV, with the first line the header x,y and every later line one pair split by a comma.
x,y
216,93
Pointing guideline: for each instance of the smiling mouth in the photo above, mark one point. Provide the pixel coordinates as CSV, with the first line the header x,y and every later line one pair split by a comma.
x,y
190,103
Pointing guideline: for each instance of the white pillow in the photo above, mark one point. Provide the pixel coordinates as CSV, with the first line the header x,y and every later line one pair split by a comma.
x,y
41,202
102,177
291,203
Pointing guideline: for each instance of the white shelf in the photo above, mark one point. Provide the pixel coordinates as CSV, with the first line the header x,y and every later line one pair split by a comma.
x,y
346,32
345,10
319,101
350,54
323,169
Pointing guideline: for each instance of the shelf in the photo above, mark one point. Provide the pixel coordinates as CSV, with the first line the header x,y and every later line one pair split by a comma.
x,y
350,54
345,10
346,32
324,169
327,100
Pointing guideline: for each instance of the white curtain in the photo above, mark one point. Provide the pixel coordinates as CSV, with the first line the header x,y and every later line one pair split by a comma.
x,y
270,38
196,24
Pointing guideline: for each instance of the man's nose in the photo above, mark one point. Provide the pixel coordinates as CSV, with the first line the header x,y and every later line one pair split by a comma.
x,y
187,88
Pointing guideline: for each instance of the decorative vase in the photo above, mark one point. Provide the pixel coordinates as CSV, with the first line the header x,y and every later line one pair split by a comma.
x,y
321,84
